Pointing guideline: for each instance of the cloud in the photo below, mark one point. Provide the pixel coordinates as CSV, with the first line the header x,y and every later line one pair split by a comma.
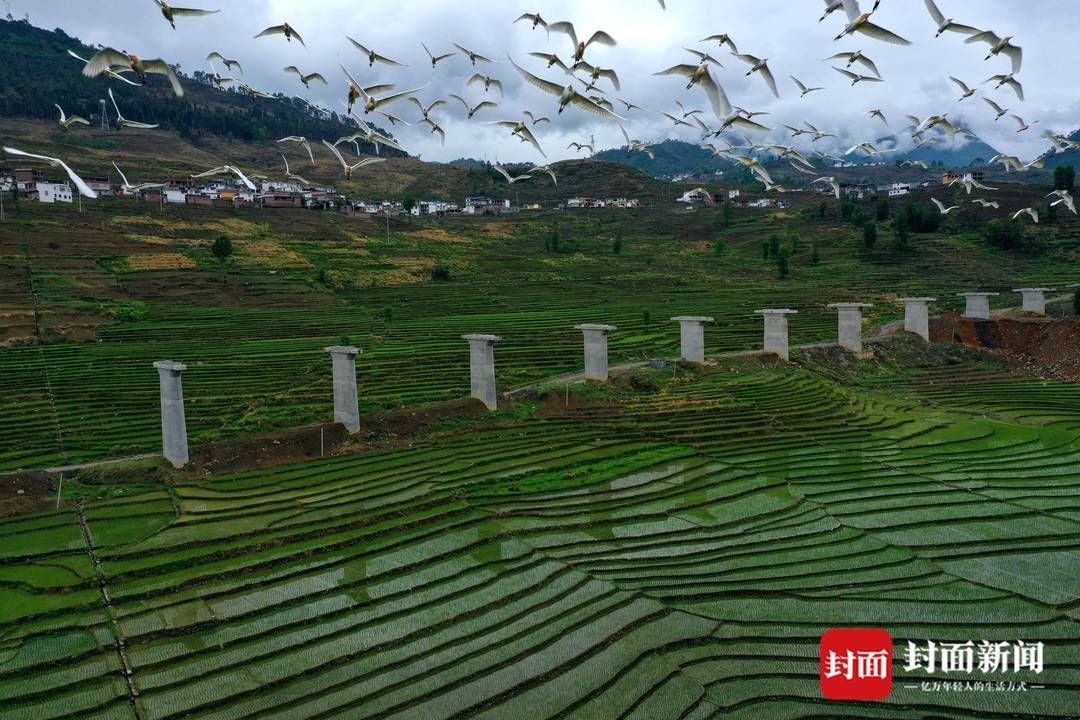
x,y
649,39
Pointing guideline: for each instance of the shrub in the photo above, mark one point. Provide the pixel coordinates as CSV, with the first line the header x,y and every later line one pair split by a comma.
x,y
1076,301
869,235
783,265
440,273
720,247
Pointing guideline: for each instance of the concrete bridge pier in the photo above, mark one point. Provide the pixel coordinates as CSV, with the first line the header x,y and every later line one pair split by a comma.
x,y
346,406
174,443
917,316
776,330
692,337
849,318
1034,299
596,350
482,368
978,305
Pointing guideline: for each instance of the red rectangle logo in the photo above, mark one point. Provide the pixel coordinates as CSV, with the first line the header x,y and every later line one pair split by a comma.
x,y
855,664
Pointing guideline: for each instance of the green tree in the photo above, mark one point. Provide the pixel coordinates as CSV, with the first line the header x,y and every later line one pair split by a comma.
x,y
1064,177
726,213
388,315
901,236
795,240
616,244
764,249
774,245
1076,301
408,202
646,317
869,235
814,257
440,273
882,210
822,209
783,265
222,248
720,246
554,239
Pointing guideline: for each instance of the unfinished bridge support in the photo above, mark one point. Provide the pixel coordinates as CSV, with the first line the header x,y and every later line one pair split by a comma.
x,y
174,442
692,337
596,350
346,405
849,319
482,368
917,315
978,305
776,331
1034,299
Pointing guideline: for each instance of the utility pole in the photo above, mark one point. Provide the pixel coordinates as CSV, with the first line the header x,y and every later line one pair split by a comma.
x,y
104,116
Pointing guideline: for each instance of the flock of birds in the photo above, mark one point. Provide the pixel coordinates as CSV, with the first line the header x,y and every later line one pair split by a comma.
x,y
588,86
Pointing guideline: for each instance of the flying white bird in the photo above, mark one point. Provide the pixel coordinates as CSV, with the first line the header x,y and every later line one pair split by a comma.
x,y
535,19
856,57
831,6
226,170
999,45
676,120
595,72
519,129
282,29
699,75
915,163
473,109
944,23
1063,196
599,37
66,122
970,184
350,169
860,22
228,63
760,65
122,122
967,92
110,73
436,128
637,145
83,188
722,39
1021,125
545,169
567,95
1031,212
1010,81
831,182
110,60
1000,111
128,188
302,142
489,82
578,147
511,179
372,56
305,79
535,120
879,115
941,206
436,59
552,60
472,55
986,203
857,77
426,110
293,176
171,13
803,89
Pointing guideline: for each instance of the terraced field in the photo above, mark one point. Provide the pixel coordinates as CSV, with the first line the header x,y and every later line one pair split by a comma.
x,y
108,292
662,548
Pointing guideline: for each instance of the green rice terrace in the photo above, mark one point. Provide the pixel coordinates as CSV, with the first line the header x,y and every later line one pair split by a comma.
x,y
671,544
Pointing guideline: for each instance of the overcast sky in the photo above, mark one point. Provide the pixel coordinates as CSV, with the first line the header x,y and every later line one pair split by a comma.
x,y
650,39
